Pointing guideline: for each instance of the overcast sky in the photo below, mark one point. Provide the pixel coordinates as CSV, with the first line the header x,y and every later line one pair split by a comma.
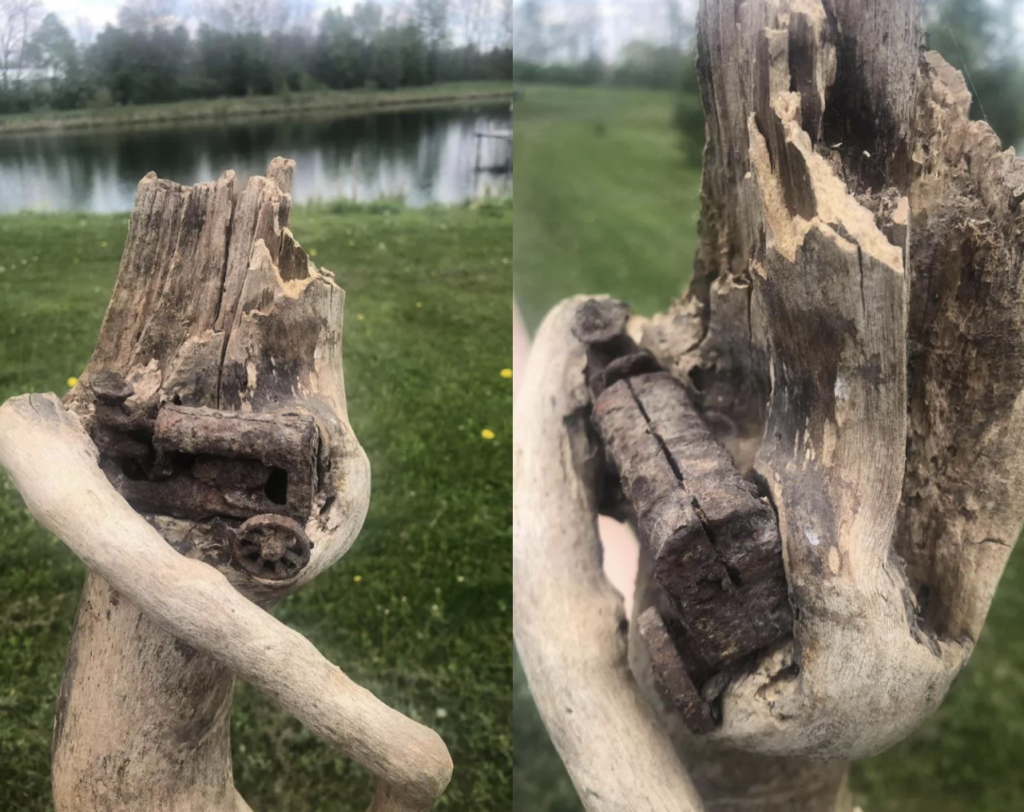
x,y
621,20
101,12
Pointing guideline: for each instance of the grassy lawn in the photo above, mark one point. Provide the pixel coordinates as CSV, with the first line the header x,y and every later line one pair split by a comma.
x,y
606,203
607,206
356,101
420,610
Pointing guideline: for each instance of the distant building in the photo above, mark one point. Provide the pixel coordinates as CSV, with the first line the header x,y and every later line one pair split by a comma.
x,y
29,76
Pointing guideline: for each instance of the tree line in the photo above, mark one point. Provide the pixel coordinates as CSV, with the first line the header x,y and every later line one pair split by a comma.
x,y
245,47
560,43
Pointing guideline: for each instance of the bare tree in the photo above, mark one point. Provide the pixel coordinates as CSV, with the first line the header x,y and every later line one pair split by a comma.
x,y
818,444
471,19
264,16
85,31
504,31
18,21
148,15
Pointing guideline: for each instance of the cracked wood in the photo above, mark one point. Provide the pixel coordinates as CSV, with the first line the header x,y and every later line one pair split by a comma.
x,y
715,543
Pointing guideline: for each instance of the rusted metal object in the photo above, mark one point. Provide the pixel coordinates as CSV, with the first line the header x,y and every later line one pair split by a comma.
x,y
716,545
206,464
670,674
271,547
110,388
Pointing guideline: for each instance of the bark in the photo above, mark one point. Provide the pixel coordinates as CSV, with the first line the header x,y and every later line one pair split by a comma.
x,y
852,337
205,455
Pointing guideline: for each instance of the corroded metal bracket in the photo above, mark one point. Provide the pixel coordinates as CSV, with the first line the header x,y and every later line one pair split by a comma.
x,y
715,542
253,474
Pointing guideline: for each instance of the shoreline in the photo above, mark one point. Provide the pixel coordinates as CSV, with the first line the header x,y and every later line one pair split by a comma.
x,y
342,102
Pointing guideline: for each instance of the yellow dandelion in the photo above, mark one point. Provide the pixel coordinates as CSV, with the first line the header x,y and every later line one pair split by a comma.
x,y
419,304
313,252
358,578
360,317
487,434
506,373
72,382
103,244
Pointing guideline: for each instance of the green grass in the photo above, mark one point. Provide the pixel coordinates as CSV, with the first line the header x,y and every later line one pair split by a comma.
x,y
427,626
606,202
616,212
338,101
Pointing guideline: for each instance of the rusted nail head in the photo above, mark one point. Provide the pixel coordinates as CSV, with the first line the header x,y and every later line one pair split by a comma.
x,y
599,320
110,387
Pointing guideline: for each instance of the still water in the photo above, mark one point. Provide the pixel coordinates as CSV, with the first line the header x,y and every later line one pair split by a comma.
x,y
423,156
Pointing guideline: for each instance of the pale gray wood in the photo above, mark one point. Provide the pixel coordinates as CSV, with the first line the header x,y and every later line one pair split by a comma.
x,y
567,617
853,332
216,307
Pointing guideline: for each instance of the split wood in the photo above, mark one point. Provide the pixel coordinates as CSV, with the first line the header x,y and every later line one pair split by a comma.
x,y
853,336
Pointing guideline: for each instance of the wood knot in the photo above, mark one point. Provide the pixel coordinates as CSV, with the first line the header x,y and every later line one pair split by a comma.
x,y
271,547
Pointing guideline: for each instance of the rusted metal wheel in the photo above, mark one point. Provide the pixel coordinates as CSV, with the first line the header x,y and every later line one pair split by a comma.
x,y
271,547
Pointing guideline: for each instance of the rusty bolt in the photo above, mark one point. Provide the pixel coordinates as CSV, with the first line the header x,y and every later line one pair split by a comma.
x,y
271,547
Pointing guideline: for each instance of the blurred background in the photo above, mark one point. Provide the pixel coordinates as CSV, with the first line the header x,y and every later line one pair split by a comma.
x,y
398,114
609,133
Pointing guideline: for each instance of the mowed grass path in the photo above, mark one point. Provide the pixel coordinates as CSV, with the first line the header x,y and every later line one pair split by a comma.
x,y
605,205
605,201
419,611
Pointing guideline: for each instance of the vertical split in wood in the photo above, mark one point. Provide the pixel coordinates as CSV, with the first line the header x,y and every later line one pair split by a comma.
x,y
856,228
715,543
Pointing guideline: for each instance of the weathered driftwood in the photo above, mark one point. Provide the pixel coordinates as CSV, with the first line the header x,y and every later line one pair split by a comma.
x,y
568,620
853,334
214,405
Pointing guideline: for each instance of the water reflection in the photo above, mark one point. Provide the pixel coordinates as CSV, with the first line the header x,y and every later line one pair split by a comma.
x,y
425,156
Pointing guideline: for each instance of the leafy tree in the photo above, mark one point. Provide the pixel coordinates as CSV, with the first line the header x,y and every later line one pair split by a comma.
x,y
431,18
336,60
52,50
975,37
241,47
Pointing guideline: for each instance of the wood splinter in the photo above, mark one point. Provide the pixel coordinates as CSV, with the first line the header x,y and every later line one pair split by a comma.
x,y
715,542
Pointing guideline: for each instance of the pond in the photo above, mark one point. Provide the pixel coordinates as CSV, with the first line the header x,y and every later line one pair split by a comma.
x,y
424,156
